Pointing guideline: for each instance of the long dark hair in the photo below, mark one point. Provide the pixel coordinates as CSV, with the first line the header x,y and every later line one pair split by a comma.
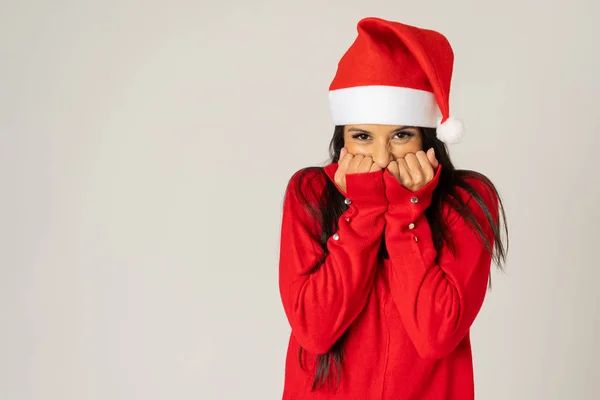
x,y
330,207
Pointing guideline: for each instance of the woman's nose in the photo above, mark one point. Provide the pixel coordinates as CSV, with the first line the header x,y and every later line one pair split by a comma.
x,y
382,158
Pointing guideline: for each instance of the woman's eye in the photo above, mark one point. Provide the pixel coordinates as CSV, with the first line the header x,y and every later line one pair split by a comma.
x,y
400,135
361,136
404,134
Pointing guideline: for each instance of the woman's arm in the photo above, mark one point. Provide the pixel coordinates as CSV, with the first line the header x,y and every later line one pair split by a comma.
x,y
321,305
437,302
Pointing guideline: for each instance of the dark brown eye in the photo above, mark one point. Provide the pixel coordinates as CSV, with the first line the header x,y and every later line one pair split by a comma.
x,y
405,134
360,136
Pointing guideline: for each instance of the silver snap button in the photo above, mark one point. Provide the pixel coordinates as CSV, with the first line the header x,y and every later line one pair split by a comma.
x,y
336,236
411,226
414,200
347,219
348,201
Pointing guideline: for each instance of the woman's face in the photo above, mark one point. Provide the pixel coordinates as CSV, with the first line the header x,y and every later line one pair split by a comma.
x,y
384,143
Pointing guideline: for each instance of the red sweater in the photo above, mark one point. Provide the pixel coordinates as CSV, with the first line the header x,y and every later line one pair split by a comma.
x,y
408,317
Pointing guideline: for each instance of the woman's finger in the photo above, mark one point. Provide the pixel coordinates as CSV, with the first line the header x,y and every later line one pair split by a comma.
x,y
404,173
393,168
426,166
365,165
432,158
354,164
416,173
343,163
374,167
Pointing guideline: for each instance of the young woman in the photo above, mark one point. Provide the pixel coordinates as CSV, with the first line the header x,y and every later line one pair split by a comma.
x,y
386,252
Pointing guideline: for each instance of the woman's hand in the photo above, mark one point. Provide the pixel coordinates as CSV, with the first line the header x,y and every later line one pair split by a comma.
x,y
352,164
414,170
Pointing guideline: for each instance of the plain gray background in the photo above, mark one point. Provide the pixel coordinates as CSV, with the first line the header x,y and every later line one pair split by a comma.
x,y
145,148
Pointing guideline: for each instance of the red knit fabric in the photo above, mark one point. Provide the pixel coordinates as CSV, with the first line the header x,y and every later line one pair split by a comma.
x,y
407,317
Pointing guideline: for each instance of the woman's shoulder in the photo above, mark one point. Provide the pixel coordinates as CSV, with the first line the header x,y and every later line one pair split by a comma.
x,y
307,182
309,176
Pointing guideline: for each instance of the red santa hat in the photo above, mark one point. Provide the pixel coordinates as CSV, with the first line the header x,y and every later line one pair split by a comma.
x,y
395,74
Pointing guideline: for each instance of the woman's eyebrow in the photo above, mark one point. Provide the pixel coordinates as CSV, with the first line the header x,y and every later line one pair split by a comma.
x,y
394,131
357,130
404,127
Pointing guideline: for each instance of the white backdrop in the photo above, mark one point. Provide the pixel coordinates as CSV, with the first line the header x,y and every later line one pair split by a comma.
x,y
145,148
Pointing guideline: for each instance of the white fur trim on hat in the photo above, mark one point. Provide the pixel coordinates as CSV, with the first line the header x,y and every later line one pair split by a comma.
x,y
386,105
451,131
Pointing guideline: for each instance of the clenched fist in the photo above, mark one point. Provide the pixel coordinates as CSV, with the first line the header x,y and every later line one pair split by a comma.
x,y
352,164
414,170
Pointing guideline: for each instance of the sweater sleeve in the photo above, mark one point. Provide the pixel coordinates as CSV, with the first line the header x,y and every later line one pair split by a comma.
x,y
438,296
321,304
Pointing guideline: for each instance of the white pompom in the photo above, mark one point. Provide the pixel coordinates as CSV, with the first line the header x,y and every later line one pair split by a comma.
x,y
451,131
